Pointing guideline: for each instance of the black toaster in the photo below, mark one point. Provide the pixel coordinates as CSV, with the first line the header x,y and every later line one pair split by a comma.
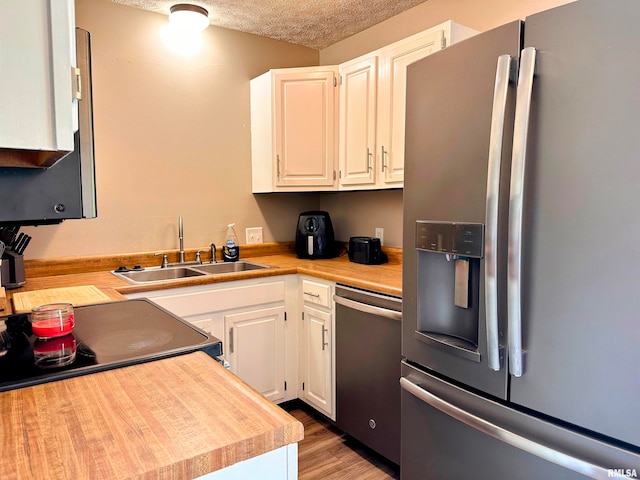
x,y
367,250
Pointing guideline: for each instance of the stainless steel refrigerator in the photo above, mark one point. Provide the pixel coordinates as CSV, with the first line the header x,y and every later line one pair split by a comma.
x,y
521,268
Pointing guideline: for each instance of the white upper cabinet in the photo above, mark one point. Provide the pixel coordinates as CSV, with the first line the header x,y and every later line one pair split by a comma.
x,y
293,130
393,80
38,111
372,108
358,114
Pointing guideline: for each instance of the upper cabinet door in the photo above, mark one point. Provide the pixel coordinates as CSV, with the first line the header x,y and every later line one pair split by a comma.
x,y
305,128
37,86
372,108
294,130
392,100
358,111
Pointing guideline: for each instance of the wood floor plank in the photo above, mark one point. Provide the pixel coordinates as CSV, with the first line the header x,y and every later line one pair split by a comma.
x,y
328,454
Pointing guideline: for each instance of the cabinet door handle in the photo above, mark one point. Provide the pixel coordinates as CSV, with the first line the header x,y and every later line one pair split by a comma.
x,y
77,79
382,157
231,340
278,166
324,344
369,157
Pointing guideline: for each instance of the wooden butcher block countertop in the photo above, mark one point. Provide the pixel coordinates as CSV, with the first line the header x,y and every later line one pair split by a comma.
x,y
385,278
176,418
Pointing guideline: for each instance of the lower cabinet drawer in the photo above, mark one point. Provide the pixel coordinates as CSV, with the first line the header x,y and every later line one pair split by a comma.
x,y
316,293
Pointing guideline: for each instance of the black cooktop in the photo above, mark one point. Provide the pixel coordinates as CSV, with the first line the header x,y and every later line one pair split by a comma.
x,y
105,336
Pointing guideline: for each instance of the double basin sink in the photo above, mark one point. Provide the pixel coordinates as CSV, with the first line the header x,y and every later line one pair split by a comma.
x,y
176,272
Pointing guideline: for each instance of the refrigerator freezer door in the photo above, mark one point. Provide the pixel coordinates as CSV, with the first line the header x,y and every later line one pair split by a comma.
x,y
452,434
450,101
580,252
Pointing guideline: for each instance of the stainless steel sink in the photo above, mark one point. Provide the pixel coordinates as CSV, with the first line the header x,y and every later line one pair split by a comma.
x,y
228,267
157,274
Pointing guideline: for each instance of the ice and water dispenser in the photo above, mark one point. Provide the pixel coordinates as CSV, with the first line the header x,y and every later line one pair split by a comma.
x,y
449,261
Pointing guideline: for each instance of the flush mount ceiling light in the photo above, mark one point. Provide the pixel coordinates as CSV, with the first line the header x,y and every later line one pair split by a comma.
x,y
189,17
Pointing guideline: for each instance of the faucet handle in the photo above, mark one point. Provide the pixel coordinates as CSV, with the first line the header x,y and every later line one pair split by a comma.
x,y
213,253
165,261
198,257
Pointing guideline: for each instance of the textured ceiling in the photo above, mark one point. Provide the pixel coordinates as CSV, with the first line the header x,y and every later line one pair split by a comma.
x,y
312,23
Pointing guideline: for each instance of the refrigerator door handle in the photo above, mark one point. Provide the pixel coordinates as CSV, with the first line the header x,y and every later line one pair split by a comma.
x,y
516,195
501,88
559,458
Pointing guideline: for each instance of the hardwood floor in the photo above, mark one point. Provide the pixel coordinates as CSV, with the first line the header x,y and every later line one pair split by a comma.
x,y
327,453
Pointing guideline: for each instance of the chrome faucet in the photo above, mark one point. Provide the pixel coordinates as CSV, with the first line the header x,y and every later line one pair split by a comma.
x,y
181,238
165,261
213,253
198,257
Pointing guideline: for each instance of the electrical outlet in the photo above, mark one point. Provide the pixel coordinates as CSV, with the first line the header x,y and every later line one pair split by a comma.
x,y
380,234
254,235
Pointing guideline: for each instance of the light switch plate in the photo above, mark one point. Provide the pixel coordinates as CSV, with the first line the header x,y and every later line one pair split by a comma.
x,y
254,235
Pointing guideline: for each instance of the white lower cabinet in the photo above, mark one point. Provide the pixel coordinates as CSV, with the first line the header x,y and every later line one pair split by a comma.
x,y
256,351
317,353
316,375
277,333
250,317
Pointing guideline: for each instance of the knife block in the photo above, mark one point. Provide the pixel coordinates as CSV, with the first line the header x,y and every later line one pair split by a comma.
x,y
12,270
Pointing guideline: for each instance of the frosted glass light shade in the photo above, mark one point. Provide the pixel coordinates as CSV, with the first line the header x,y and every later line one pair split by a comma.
x,y
189,17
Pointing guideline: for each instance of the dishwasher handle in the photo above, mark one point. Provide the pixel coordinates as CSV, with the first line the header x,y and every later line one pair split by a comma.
x,y
363,307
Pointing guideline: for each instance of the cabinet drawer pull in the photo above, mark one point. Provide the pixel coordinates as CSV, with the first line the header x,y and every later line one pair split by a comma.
x,y
311,294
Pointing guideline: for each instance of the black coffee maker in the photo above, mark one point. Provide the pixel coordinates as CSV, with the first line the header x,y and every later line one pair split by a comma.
x,y
315,237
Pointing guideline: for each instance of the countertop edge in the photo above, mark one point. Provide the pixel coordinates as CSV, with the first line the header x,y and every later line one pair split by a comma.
x,y
252,424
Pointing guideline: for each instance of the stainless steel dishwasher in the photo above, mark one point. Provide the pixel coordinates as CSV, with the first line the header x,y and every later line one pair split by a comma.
x,y
368,336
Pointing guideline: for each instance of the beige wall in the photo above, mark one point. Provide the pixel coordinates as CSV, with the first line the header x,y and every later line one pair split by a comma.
x,y
360,213
172,138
